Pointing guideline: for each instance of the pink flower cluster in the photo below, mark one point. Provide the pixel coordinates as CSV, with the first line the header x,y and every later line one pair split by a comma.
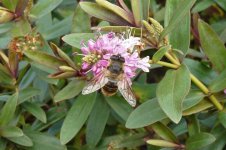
x,y
97,54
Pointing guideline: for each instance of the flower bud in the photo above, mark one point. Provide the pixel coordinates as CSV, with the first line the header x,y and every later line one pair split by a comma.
x,y
5,15
66,69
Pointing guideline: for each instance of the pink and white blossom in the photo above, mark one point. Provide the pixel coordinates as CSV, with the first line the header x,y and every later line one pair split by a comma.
x,y
97,54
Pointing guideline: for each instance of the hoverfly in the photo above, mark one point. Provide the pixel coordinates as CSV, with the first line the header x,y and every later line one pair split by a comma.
x,y
112,79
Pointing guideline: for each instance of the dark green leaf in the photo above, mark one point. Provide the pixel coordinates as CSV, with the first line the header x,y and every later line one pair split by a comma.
x,y
102,13
164,132
43,141
10,131
218,83
160,53
22,140
137,11
76,117
78,25
222,3
7,112
117,10
75,39
150,112
177,16
27,93
44,59
172,90
222,118
212,46
69,91
180,36
120,106
199,140
97,121
35,110
193,125
41,8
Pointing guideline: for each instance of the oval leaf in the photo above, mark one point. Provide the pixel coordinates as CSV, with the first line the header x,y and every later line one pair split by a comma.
x,y
219,83
76,117
160,53
102,13
75,39
172,90
7,112
44,59
212,46
97,121
35,110
177,16
69,91
199,140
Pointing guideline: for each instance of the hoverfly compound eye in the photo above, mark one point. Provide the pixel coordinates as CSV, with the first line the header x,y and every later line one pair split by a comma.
x,y
114,57
122,59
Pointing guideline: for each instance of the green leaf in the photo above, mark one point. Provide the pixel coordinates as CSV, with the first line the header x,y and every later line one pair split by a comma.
x,y
7,112
199,140
212,46
35,110
120,106
75,39
145,9
137,11
60,53
147,113
69,91
10,131
172,90
180,36
97,121
200,70
202,5
10,4
76,117
150,112
222,118
43,141
27,93
117,10
54,114
78,25
204,104
219,83
164,132
57,29
220,134
177,16
222,3
193,125
5,78
162,143
144,92
22,140
95,10
42,8
44,59
160,53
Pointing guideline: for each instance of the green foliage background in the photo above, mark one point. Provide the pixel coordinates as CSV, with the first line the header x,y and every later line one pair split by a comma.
x,y
180,101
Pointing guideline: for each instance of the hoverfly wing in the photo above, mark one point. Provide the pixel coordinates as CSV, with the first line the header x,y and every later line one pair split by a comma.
x,y
126,91
95,84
